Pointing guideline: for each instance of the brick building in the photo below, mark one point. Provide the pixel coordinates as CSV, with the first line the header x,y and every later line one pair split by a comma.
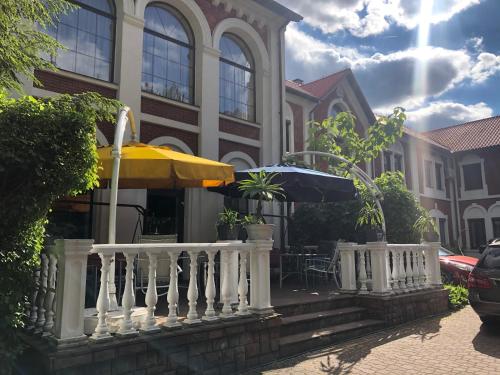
x,y
202,76
453,171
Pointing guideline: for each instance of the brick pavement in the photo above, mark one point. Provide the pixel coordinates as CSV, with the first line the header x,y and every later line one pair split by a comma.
x,y
449,345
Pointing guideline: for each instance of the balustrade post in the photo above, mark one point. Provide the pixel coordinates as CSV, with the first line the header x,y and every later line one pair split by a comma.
x,y
192,315
70,289
402,272
128,299
409,270
433,267
51,291
395,270
260,286
347,267
226,283
233,275
34,308
210,287
421,268
243,284
173,292
379,267
362,270
149,323
42,291
102,306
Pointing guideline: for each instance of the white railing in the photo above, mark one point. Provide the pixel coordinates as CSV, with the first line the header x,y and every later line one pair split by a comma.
x,y
381,268
57,308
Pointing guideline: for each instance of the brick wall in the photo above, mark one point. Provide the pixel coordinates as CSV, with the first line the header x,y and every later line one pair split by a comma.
x,y
55,82
237,128
170,111
226,147
151,131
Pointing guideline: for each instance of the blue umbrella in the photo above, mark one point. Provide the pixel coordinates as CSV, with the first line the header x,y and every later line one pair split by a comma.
x,y
299,184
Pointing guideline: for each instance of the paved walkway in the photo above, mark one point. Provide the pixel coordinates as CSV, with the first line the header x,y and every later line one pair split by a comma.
x,y
449,345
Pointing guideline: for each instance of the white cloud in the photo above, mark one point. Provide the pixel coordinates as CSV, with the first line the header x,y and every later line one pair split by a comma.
x,y
389,79
444,113
371,17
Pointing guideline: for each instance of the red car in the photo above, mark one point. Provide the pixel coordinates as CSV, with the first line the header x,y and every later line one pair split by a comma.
x,y
455,269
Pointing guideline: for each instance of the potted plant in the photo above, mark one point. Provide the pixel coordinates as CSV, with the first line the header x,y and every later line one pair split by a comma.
x,y
426,226
228,225
259,186
371,218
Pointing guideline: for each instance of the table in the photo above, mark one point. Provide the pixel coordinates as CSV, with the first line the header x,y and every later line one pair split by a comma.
x,y
299,262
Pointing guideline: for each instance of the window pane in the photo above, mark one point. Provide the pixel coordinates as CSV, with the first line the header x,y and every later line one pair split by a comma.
x,y
102,69
103,48
147,63
473,179
439,183
66,35
428,173
164,21
87,20
477,234
84,65
160,67
66,60
159,86
387,161
174,72
398,162
496,227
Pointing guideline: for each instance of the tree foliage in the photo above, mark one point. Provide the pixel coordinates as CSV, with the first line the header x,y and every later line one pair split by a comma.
x,y
48,150
337,135
22,43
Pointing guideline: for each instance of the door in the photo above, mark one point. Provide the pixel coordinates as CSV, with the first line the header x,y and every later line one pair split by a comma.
x,y
477,233
165,213
496,227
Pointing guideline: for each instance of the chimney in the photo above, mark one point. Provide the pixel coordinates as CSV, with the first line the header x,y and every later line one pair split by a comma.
x,y
298,81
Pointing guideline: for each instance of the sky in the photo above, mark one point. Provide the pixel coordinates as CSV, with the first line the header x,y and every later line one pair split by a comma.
x,y
440,60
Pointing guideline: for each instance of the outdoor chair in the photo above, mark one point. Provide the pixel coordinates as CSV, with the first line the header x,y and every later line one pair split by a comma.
x,y
324,267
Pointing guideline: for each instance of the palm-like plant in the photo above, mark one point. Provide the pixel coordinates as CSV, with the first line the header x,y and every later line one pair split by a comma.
x,y
425,224
260,186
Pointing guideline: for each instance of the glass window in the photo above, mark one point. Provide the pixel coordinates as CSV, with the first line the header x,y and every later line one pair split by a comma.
x,y
387,161
88,35
473,178
335,111
477,233
398,162
168,50
491,258
442,231
428,173
439,181
496,226
237,79
288,133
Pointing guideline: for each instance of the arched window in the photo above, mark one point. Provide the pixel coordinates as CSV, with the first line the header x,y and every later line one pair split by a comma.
x,y
88,35
335,110
168,50
237,79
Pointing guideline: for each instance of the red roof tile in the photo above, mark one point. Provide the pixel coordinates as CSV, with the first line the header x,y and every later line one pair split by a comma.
x,y
322,86
469,136
422,136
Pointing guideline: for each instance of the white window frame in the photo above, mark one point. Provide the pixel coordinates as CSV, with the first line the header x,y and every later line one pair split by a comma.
x,y
437,214
477,193
395,149
433,191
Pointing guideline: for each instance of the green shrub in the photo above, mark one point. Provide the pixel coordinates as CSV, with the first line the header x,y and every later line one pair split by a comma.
x,y
47,151
458,296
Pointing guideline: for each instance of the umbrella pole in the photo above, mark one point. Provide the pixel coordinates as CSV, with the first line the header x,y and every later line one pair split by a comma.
x,y
124,115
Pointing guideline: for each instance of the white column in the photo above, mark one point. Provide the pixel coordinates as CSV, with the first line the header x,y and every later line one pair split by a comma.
x,y
347,267
34,308
192,315
395,270
226,278
232,259
409,270
70,289
362,270
379,267
149,323
243,285
402,272
173,292
421,268
102,306
260,286
51,292
128,299
42,290
433,268
210,288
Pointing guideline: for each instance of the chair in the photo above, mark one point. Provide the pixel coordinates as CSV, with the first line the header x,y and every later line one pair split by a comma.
x,y
162,268
324,265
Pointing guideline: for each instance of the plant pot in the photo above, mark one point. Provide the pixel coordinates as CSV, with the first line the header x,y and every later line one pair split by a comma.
x,y
260,231
374,235
431,237
227,233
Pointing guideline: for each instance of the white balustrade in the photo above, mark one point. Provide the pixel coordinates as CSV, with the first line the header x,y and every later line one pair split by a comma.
x,y
362,270
210,287
173,292
33,315
128,299
102,307
42,290
395,270
243,285
192,315
51,292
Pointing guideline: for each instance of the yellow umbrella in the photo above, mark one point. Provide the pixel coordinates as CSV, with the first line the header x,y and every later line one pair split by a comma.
x,y
146,166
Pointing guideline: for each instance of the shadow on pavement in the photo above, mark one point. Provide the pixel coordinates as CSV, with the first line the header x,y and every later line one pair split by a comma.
x,y
487,339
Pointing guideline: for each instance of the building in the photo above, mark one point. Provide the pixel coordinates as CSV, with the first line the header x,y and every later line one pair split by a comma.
x,y
204,77
453,171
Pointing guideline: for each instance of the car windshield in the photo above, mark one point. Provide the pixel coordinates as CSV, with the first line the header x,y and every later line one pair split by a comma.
x,y
490,258
445,252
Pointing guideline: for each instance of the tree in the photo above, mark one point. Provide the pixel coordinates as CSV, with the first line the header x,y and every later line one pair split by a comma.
x,y
47,151
22,43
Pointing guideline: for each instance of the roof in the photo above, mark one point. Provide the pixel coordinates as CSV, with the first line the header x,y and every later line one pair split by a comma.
x,y
276,7
295,87
472,135
323,86
421,136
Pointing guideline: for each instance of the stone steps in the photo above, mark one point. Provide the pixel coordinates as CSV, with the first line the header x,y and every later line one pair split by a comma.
x,y
317,320
292,309
302,342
